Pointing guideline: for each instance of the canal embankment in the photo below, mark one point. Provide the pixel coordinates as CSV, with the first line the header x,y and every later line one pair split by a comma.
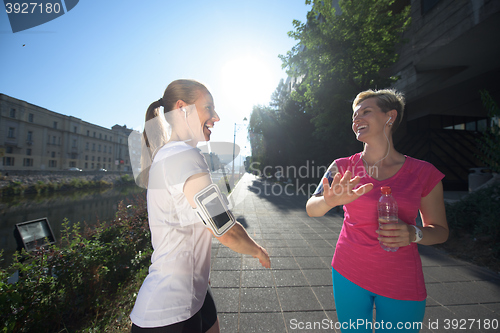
x,y
39,181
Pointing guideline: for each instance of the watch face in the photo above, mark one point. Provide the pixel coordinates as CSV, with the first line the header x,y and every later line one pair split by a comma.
x,y
419,233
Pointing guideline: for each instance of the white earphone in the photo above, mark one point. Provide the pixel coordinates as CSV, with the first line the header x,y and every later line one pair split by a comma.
x,y
388,120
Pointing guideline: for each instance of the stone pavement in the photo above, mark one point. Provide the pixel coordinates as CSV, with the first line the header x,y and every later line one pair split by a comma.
x,y
296,295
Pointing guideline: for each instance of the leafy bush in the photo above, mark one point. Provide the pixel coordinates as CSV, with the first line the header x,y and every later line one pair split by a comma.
x,y
477,215
126,178
64,286
14,188
488,142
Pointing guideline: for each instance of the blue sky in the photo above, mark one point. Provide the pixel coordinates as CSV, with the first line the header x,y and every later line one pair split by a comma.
x,y
106,61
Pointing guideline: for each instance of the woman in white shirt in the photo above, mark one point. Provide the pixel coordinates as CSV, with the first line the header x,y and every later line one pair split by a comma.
x,y
175,296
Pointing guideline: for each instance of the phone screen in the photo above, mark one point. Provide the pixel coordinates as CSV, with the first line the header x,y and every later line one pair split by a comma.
x,y
215,209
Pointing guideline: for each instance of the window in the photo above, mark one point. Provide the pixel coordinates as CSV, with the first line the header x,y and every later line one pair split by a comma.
x,y
11,133
75,129
9,150
110,138
86,165
93,147
98,159
28,151
120,140
53,140
8,161
109,160
93,158
100,135
52,164
427,5
72,164
92,166
105,148
86,146
94,134
55,124
88,133
28,162
105,137
74,143
13,113
29,138
99,148
86,157
53,154
31,116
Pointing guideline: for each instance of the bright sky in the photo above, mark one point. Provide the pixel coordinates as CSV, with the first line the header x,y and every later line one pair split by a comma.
x,y
106,61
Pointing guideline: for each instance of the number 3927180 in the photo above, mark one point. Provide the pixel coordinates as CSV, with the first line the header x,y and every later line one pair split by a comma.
x,y
32,8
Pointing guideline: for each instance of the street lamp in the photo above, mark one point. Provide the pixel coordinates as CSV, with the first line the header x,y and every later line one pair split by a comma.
x,y
234,146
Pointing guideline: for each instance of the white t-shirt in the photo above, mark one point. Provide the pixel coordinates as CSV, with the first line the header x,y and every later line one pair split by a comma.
x,y
177,283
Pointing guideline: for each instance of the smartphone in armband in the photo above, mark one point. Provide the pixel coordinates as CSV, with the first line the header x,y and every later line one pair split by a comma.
x,y
212,208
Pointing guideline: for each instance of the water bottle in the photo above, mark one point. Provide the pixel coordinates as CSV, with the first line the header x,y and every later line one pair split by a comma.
x,y
387,212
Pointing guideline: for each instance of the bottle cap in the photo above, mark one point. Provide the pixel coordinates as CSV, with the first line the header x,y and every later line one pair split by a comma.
x,y
385,190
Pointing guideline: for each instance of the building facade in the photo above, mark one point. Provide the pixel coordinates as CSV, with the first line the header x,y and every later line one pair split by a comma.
x,y
451,55
34,138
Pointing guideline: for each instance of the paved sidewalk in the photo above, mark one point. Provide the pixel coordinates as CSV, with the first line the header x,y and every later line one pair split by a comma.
x,y
297,290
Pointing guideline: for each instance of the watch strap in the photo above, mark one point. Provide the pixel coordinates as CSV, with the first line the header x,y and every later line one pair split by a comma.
x,y
418,234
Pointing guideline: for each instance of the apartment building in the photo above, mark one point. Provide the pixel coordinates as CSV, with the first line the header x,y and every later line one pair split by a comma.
x,y
451,55
34,138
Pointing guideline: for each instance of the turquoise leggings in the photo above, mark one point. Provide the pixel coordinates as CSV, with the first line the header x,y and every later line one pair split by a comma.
x,y
355,310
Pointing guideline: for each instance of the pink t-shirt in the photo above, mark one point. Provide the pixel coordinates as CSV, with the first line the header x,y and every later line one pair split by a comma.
x,y
358,255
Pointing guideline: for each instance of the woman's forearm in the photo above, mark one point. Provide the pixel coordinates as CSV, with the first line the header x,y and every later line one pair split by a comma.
x,y
317,206
433,234
238,240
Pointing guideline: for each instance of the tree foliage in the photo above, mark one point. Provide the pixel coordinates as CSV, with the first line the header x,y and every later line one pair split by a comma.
x,y
339,53
280,133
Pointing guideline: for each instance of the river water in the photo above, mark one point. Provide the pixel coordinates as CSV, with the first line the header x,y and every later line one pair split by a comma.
x,y
86,207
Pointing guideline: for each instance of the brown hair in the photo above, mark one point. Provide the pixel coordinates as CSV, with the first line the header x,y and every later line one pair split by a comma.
x,y
387,100
185,90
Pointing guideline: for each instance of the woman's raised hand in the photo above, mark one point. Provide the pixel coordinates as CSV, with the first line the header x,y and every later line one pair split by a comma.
x,y
341,191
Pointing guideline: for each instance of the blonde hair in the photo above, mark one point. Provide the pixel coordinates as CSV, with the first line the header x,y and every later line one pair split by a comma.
x,y
185,90
387,100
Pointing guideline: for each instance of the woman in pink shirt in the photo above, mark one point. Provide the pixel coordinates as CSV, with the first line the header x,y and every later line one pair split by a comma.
x,y
364,274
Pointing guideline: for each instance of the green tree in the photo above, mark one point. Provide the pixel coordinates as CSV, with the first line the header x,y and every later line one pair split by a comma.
x,y
281,133
265,138
341,52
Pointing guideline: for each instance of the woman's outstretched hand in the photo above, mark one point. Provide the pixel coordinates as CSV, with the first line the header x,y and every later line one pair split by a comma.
x,y
342,191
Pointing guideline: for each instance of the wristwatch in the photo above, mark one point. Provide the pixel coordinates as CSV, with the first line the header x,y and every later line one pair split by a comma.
x,y
418,234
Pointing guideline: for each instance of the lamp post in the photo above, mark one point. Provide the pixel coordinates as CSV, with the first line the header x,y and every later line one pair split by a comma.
x,y
234,146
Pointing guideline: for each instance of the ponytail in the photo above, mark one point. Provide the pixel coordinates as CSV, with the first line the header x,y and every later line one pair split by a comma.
x,y
156,125
152,112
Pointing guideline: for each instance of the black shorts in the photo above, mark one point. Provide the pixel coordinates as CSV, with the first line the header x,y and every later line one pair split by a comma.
x,y
201,322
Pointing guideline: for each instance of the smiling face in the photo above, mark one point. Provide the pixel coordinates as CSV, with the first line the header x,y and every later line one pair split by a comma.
x,y
369,120
206,112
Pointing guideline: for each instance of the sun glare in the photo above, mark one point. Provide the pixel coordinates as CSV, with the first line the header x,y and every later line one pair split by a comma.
x,y
247,81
